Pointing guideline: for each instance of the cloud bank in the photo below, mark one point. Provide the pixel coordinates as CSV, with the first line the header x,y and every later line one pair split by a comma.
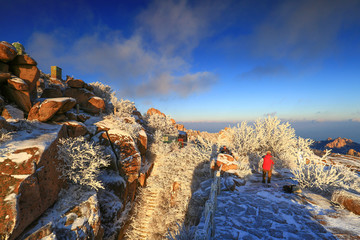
x,y
154,61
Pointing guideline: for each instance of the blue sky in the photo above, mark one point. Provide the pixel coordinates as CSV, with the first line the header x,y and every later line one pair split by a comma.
x,y
204,60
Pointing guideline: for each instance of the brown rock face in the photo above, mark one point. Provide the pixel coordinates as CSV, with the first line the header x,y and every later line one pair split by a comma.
x,y
348,200
4,77
4,67
30,74
23,60
51,92
226,161
141,143
338,143
5,125
94,105
20,98
76,129
17,84
80,94
7,52
153,111
45,110
2,104
75,83
33,188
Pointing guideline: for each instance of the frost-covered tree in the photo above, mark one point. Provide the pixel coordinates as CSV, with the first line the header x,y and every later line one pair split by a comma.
x,y
82,161
161,123
313,174
128,125
250,143
123,108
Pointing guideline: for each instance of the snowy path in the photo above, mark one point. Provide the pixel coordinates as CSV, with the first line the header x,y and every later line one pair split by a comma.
x,y
141,228
254,211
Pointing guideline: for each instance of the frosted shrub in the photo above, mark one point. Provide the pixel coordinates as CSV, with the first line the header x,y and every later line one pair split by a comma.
x,y
82,161
123,108
105,92
128,125
182,233
157,122
313,174
5,135
250,143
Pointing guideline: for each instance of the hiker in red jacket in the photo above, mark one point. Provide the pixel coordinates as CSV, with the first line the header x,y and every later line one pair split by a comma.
x,y
267,166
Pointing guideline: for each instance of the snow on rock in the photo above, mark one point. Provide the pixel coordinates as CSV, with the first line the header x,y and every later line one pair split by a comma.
x,y
46,109
28,169
75,216
226,161
348,200
10,111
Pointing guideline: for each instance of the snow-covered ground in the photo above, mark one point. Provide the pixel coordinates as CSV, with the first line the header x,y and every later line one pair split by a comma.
x,y
255,211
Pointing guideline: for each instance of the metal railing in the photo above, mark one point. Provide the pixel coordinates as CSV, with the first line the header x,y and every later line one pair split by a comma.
x,y
207,232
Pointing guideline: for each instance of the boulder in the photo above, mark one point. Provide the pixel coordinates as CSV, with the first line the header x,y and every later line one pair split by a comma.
x,y
2,104
153,111
75,83
29,189
20,98
59,118
348,200
71,116
23,60
47,108
141,143
40,83
4,67
51,92
4,77
17,83
76,129
7,52
94,105
5,125
80,94
227,162
11,112
30,74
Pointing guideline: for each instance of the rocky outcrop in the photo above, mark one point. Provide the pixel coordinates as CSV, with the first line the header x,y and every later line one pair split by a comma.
x,y
4,77
7,52
11,112
29,73
348,200
152,111
52,92
23,60
75,83
30,182
17,91
86,99
338,145
5,125
226,162
46,109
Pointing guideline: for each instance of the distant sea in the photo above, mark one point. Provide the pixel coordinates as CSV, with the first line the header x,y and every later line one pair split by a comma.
x,y
306,129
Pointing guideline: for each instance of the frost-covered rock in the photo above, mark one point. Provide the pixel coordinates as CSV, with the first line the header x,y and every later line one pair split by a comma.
x,y
348,200
226,162
29,73
11,112
46,109
75,83
29,178
7,52
94,105
51,92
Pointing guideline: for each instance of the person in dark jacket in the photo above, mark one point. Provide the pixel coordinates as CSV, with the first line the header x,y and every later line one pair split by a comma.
x,y
267,166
